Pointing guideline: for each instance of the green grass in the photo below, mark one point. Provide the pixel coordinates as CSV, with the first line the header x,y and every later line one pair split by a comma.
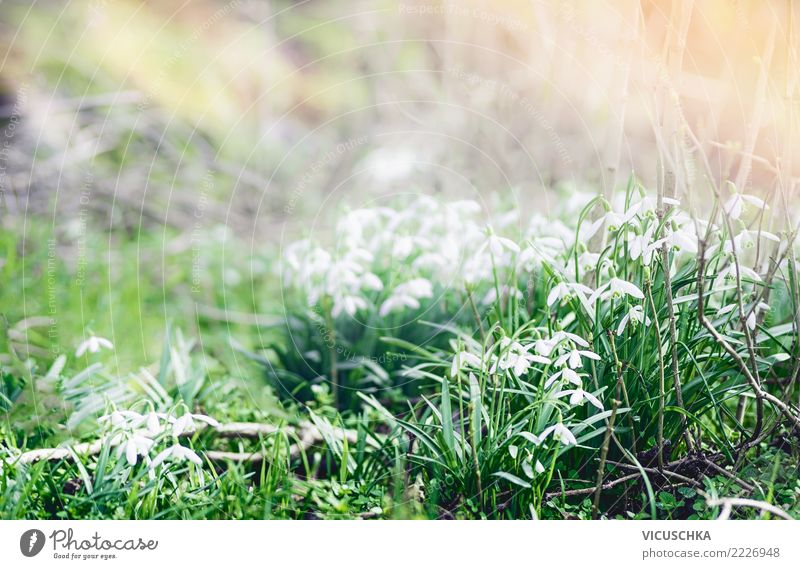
x,y
427,436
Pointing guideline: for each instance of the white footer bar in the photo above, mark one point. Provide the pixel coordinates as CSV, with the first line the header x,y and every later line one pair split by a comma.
x,y
402,544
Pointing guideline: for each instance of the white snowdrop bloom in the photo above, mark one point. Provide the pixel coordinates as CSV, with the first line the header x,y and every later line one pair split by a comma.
x,y
312,271
578,396
465,359
550,234
539,468
459,211
478,268
560,433
586,232
727,309
683,239
634,316
186,423
418,288
748,239
133,445
616,288
93,344
730,272
573,358
753,314
567,374
121,419
545,346
152,423
294,260
370,281
643,245
497,244
615,220
405,245
588,261
398,302
407,295
349,304
516,357
734,206
431,261
648,204
565,290
177,453
561,335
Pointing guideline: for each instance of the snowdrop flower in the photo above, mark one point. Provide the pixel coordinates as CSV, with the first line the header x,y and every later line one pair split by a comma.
x,y
545,346
405,245
176,452
561,335
735,204
516,357
643,245
683,239
730,272
747,239
186,423
348,303
370,281
588,261
498,244
727,309
407,295
565,290
648,205
578,396
560,433
573,358
615,220
134,445
93,344
751,317
464,359
542,249
398,302
566,373
152,423
616,288
122,419
538,467
634,316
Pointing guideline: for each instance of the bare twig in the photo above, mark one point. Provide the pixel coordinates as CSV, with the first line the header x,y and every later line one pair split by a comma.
x,y
729,503
603,456
308,435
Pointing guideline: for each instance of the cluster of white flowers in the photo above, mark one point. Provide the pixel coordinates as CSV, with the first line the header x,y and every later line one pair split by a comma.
x,y
136,435
390,259
579,284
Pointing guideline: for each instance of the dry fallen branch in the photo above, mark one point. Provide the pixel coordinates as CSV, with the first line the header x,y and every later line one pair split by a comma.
x,y
729,503
307,435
